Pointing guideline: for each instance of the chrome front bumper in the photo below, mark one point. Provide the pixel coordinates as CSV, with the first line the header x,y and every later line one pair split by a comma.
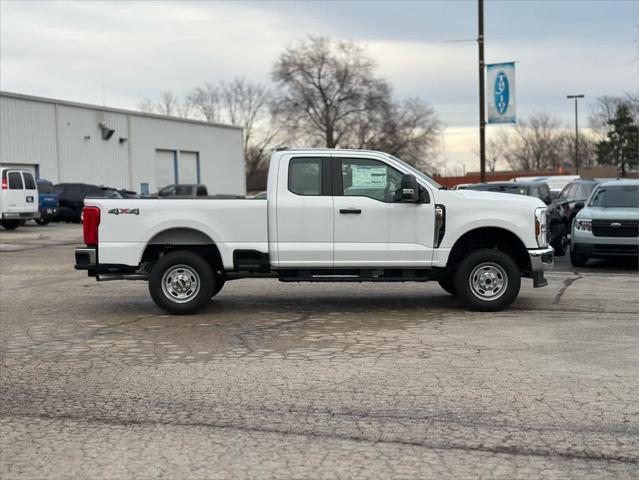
x,y
540,260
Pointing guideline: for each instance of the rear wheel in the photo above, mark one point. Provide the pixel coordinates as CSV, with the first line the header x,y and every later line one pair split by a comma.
x,y
562,244
182,282
10,224
487,280
576,259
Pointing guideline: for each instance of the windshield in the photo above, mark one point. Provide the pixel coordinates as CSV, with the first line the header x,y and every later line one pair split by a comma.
x,y
417,173
626,196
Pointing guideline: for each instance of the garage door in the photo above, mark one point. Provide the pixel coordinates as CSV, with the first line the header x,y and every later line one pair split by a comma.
x,y
188,167
165,166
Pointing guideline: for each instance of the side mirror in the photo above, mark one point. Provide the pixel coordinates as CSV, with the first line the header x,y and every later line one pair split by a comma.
x,y
579,205
409,189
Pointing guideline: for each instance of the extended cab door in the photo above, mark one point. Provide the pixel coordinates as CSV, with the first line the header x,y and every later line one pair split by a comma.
x,y
304,212
372,228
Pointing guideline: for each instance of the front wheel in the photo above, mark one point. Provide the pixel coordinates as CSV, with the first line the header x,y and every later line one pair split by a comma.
x,y
562,244
42,221
181,283
487,280
576,259
10,224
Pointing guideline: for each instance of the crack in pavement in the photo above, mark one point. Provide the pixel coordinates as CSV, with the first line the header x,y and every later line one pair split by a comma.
x,y
567,283
518,451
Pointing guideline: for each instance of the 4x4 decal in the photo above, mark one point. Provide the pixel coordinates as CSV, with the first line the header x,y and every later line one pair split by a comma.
x,y
124,211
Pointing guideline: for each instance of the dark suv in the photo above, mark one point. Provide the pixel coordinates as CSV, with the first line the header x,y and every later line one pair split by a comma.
x,y
558,224
71,199
573,196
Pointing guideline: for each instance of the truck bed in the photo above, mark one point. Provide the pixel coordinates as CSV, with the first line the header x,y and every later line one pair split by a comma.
x,y
127,226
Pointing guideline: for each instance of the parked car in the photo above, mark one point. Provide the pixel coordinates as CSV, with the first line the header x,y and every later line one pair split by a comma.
x,y
18,198
110,192
48,202
330,216
71,199
556,183
183,190
576,192
608,224
559,225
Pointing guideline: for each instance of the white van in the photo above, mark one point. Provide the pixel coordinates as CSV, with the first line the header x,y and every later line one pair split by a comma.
x,y
18,197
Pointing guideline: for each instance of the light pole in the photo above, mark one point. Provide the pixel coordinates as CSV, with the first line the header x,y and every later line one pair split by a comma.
x,y
576,97
482,91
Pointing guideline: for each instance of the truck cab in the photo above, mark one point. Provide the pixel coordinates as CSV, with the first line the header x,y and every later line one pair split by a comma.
x,y
330,216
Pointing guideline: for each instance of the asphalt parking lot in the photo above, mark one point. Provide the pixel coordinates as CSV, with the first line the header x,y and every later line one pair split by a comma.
x,y
312,380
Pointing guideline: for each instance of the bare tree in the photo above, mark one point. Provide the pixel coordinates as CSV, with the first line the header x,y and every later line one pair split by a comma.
x,y
169,104
146,105
206,101
535,143
332,97
605,109
326,86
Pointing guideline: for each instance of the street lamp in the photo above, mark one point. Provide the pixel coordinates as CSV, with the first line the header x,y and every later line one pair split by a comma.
x,y
576,97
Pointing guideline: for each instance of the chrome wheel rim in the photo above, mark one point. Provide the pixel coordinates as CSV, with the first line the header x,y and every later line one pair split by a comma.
x,y
488,281
180,283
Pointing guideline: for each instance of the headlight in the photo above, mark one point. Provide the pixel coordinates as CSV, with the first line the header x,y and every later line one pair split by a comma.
x,y
583,225
541,226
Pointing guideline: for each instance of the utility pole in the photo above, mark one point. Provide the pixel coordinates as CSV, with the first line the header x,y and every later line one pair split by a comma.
x,y
482,92
576,97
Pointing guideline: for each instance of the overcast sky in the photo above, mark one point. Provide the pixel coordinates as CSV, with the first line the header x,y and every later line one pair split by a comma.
x,y
118,52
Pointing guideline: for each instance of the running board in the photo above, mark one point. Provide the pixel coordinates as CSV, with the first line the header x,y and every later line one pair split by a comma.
x,y
376,275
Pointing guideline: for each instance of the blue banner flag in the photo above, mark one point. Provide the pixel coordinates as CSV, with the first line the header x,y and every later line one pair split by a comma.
x,y
501,93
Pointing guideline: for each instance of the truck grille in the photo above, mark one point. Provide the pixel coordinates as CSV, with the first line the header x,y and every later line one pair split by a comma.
x,y
615,228
605,250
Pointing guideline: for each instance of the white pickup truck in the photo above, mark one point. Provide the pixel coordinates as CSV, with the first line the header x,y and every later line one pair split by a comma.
x,y
329,216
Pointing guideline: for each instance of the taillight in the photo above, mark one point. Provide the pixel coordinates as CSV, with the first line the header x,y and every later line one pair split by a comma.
x,y
5,186
90,223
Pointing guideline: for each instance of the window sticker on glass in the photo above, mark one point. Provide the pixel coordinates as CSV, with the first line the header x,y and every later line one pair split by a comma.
x,y
368,176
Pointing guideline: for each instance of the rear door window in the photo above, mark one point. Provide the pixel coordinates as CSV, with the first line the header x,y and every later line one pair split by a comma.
x,y
15,181
29,182
183,190
305,176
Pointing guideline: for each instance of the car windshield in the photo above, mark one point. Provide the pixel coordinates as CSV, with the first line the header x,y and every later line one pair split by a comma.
x,y
417,173
45,187
626,196
167,191
584,190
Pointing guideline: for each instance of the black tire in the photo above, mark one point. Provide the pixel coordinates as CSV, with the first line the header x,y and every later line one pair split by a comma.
x,y
487,267
181,270
576,259
562,244
42,221
10,224
219,283
448,284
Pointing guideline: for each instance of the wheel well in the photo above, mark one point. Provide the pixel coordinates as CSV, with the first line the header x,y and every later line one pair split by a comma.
x,y
175,239
490,237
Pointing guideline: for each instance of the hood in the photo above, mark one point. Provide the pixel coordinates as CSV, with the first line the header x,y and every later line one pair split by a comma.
x,y
601,213
503,199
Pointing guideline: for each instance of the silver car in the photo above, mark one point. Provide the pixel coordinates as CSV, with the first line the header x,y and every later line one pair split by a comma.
x,y
608,225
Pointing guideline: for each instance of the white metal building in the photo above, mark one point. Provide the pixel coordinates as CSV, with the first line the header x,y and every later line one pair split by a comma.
x,y
72,142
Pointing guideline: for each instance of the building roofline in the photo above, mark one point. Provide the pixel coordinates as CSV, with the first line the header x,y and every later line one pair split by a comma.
x,y
136,113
